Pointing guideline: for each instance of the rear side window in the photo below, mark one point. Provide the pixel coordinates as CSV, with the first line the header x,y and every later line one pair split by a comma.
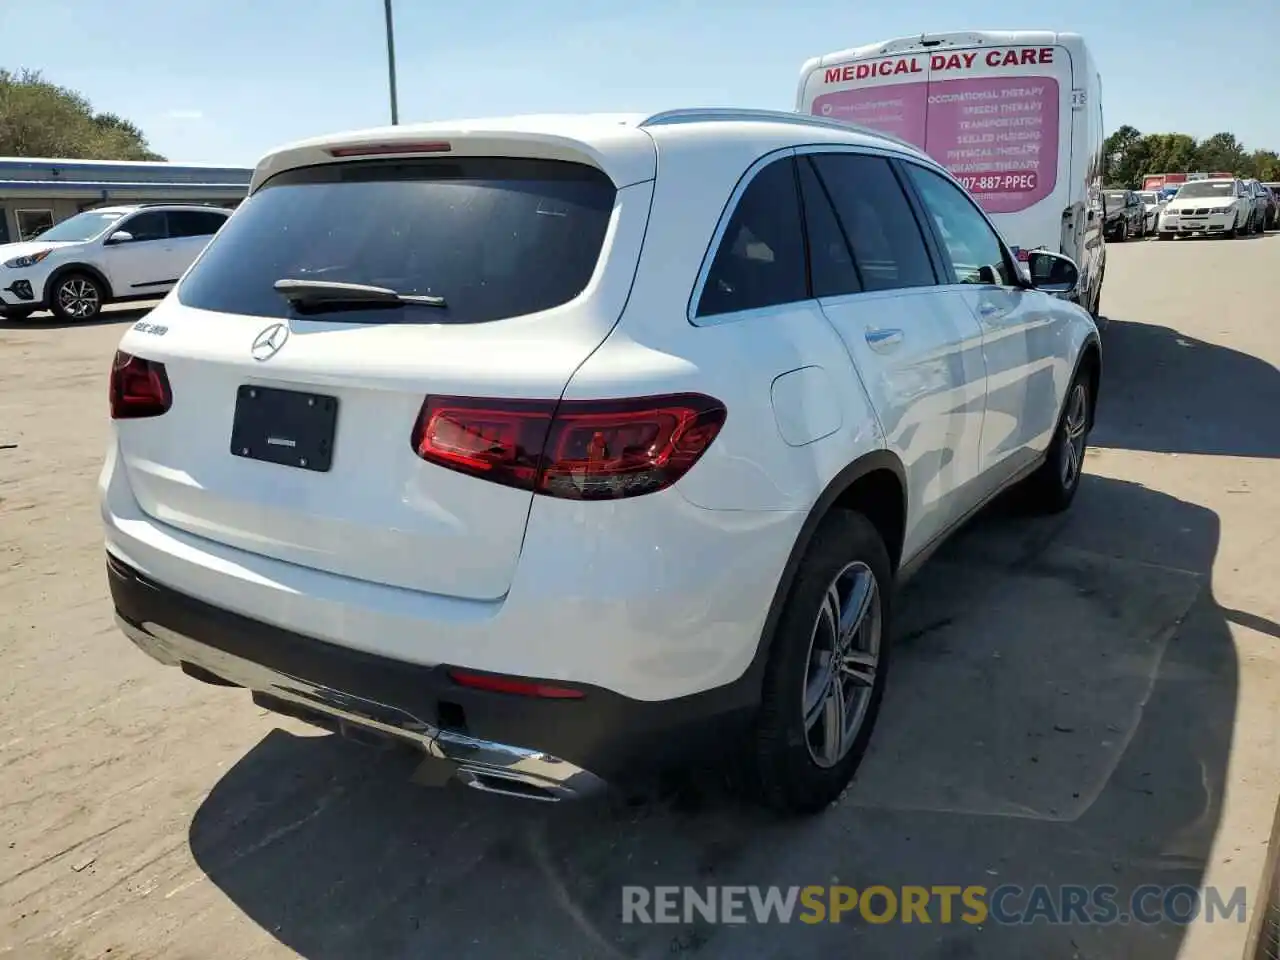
x,y
877,221
760,261
146,226
831,263
493,237
194,223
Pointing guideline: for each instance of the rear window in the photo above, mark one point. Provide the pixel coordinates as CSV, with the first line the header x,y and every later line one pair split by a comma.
x,y
494,237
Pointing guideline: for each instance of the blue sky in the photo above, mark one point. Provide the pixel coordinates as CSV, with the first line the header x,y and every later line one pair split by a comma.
x,y
226,80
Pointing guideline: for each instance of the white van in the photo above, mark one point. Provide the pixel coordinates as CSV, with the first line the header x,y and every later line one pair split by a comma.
x,y
1015,116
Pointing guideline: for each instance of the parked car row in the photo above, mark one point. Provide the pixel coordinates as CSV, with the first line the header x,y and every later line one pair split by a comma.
x,y
1218,206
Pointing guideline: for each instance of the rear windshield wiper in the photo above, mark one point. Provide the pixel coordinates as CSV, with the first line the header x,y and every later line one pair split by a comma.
x,y
330,293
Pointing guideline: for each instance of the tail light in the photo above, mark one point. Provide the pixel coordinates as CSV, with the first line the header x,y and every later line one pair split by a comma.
x,y
139,388
573,449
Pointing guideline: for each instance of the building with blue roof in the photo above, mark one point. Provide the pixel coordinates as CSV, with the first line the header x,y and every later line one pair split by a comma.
x,y
36,193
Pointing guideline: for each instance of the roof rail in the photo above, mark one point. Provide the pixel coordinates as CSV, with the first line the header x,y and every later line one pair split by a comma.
x,y
171,203
746,114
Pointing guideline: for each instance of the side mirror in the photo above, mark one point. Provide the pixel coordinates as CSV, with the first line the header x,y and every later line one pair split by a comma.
x,y
1053,273
120,236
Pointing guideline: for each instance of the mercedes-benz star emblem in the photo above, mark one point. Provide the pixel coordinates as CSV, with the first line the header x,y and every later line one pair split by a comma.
x,y
268,343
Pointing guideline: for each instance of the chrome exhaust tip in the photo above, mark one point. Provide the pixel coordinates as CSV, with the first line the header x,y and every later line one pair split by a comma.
x,y
511,784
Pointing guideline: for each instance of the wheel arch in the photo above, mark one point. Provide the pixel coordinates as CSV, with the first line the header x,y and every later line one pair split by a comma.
x,y
876,484
1089,357
87,268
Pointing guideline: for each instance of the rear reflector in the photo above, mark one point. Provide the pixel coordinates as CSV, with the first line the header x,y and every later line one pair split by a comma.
x,y
522,688
573,449
138,387
384,149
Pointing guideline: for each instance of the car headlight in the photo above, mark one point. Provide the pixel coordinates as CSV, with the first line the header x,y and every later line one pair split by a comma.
x,y
30,260
1223,211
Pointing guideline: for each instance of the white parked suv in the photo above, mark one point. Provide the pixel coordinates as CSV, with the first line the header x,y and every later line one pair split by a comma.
x,y
1218,206
557,448
104,255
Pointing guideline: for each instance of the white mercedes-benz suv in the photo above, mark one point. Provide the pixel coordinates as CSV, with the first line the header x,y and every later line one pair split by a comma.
x,y
104,255
562,448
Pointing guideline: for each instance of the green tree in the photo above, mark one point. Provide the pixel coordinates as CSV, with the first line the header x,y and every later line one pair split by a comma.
x,y
41,119
1119,157
1171,153
1222,151
1265,165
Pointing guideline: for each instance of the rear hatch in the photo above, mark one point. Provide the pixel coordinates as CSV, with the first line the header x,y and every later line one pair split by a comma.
x,y
992,110
289,430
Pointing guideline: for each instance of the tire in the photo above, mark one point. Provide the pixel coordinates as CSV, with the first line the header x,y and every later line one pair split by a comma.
x,y
1123,235
794,767
1053,486
77,297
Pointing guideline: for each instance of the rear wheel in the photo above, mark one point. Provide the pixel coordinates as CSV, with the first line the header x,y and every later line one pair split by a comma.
x,y
1053,486
827,668
77,296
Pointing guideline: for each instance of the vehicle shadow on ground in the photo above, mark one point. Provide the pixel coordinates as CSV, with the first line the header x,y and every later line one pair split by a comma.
x,y
1183,395
47,321
1057,716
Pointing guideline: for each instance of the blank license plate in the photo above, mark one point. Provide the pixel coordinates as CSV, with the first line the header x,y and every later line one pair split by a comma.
x,y
287,427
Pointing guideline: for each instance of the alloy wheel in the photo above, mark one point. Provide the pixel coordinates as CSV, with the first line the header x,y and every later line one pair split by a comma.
x,y
1074,425
844,657
78,298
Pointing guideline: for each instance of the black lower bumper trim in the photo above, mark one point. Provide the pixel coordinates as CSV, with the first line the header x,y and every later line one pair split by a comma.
x,y
612,736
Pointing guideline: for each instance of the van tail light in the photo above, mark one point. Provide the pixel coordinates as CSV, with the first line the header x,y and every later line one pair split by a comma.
x,y
572,449
139,388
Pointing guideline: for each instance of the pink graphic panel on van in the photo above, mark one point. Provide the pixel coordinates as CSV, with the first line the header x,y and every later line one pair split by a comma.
x,y
897,109
998,136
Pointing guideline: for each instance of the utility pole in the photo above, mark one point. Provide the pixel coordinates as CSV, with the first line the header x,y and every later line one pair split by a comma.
x,y
391,61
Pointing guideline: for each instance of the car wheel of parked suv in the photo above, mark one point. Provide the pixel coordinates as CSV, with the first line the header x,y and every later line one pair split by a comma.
x,y
1053,486
827,667
76,296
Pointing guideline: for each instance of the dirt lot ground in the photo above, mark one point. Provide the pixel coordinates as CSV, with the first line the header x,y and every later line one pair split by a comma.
x,y
1093,699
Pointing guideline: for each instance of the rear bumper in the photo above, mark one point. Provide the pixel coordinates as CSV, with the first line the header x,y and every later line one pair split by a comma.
x,y
505,743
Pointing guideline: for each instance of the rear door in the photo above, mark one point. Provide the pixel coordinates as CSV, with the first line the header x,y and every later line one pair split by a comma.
x,y
914,340
997,123
886,92
291,427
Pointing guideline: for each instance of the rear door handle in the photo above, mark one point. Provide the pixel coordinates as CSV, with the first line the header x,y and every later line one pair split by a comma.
x,y
883,339
989,310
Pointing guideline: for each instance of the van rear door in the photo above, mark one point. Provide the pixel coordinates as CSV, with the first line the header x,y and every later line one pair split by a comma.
x,y
999,118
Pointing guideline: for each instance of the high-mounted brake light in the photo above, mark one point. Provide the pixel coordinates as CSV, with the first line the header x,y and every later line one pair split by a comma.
x,y
495,683
384,149
138,388
572,449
